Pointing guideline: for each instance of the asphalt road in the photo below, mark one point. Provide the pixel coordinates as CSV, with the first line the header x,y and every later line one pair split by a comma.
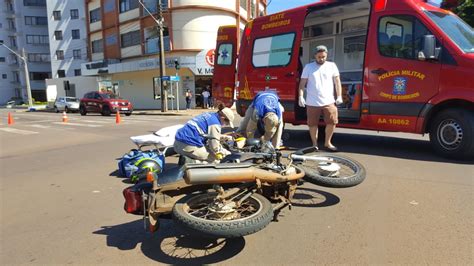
x,y
62,203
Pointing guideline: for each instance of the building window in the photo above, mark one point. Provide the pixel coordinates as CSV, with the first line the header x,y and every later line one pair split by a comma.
x,y
57,15
74,13
130,38
59,54
95,15
36,20
38,57
13,41
77,72
97,46
126,5
76,34
9,6
4,76
37,39
34,2
40,75
76,54
16,76
13,59
11,24
61,73
2,59
58,35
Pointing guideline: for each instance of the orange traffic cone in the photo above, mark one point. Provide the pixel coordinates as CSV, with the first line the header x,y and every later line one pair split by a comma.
x,y
10,119
64,117
118,119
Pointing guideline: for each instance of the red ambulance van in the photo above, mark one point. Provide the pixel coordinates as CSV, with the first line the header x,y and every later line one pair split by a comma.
x,y
405,66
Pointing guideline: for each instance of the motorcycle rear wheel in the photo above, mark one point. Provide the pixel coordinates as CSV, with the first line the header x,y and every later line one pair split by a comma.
x,y
351,173
194,212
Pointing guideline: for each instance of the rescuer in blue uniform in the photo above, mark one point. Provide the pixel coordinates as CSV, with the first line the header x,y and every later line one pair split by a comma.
x,y
267,111
189,140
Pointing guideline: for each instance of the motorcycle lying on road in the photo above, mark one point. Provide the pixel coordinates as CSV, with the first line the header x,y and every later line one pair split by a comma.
x,y
239,196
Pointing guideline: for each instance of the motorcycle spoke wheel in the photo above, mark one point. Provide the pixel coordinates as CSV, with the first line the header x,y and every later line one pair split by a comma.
x,y
350,172
200,213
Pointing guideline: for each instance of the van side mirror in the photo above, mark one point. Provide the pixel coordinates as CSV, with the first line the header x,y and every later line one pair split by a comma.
x,y
429,48
301,52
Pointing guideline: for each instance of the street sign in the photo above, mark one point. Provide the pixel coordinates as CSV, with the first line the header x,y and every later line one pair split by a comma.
x,y
170,78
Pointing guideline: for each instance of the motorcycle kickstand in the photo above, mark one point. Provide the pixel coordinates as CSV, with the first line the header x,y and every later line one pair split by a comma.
x,y
277,209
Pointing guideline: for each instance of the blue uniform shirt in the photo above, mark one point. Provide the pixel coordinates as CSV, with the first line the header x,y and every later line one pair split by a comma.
x,y
191,132
265,102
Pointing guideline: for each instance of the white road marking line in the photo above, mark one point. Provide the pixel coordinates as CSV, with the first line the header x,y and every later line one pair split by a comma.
x,y
18,131
39,126
99,122
75,124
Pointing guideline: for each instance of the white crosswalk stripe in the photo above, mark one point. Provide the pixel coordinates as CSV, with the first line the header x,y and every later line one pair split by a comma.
x,y
75,124
39,126
18,131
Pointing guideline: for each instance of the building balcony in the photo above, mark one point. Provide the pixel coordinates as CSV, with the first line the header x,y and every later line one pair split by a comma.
x,y
152,46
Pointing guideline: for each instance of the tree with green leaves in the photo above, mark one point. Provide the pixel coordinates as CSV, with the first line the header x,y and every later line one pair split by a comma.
x,y
465,10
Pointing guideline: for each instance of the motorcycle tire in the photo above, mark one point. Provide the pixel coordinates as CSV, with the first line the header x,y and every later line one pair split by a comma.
x,y
189,210
351,173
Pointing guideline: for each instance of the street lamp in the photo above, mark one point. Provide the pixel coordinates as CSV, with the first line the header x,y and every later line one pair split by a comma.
x,y
160,22
27,73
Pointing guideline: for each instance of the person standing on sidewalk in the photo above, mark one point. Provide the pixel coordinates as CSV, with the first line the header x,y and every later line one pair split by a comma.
x,y
189,97
205,96
319,79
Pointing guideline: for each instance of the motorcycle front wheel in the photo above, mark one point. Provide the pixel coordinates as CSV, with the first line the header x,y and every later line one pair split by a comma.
x,y
201,214
349,172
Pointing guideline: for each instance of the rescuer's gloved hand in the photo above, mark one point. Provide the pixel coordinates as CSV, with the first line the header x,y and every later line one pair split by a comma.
x,y
301,101
339,100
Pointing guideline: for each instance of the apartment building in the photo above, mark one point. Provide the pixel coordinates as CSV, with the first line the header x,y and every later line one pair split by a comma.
x,y
67,37
124,44
24,25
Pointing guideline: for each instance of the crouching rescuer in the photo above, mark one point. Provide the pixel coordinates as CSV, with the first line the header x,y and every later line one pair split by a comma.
x,y
190,140
265,114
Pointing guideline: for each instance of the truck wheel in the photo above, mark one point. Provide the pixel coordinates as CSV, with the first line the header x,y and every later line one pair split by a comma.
x,y
452,133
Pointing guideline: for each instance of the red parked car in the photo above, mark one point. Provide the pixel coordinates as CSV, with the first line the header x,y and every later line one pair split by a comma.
x,y
104,103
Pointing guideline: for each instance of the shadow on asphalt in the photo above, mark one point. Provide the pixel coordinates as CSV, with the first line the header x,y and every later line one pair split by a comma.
x,y
170,245
313,198
373,145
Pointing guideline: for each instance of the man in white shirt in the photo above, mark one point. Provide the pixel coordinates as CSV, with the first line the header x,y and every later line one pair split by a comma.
x,y
319,78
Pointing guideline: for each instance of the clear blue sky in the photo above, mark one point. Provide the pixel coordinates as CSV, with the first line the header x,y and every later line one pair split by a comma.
x,y
280,5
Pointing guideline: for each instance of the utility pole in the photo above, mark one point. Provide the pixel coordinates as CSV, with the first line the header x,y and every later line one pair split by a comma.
x,y
159,23
27,73
164,92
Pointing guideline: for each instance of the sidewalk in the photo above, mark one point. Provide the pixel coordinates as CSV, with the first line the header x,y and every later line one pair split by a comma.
x,y
189,112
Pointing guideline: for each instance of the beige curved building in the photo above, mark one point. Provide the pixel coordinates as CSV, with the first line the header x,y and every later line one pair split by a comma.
x,y
124,45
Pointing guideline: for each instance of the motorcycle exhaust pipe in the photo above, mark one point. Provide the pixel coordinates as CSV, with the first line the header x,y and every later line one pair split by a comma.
x,y
213,175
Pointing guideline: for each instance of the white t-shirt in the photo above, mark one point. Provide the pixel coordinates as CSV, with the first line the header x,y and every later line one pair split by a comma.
x,y
205,94
320,86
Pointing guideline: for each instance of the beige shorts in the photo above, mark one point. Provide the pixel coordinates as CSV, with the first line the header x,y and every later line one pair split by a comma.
x,y
329,114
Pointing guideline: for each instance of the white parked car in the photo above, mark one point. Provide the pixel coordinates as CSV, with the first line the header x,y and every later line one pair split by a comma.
x,y
66,104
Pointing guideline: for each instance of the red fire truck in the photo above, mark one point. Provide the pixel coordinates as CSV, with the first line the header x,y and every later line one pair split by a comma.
x,y
405,66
